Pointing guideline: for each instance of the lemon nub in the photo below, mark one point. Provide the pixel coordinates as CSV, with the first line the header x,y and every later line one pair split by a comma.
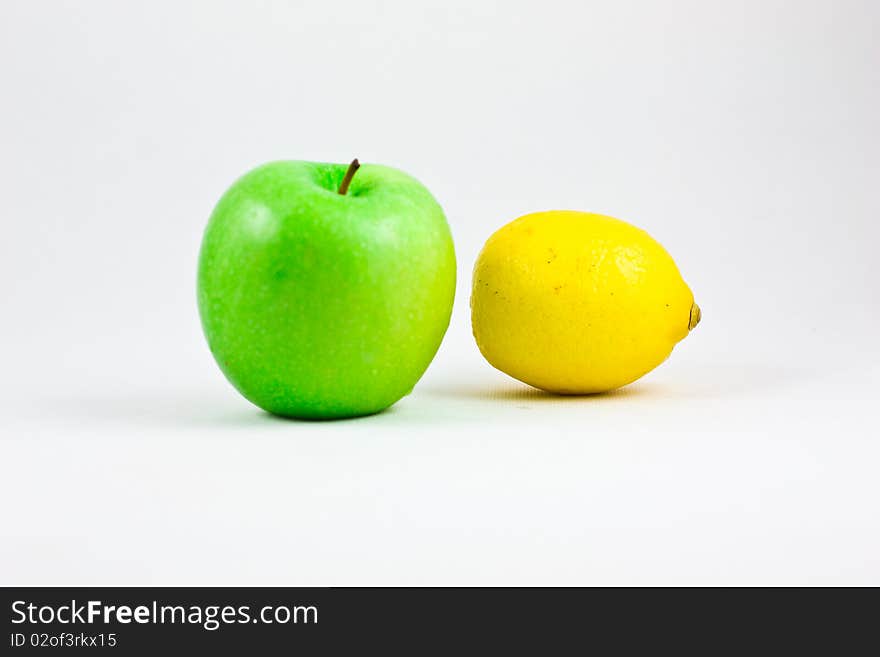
x,y
695,317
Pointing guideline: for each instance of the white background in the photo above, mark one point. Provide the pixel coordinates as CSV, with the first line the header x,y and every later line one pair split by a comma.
x,y
742,135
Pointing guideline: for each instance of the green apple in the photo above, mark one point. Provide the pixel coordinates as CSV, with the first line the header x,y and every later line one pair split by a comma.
x,y
325,289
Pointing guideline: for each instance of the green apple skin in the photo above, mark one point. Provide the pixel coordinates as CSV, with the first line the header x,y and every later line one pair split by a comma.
x,y
320,305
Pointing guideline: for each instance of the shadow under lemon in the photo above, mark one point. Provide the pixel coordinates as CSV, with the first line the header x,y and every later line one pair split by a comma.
x,y
522,392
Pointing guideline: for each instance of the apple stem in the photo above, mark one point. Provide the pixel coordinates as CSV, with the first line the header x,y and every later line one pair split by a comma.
x,y
346,181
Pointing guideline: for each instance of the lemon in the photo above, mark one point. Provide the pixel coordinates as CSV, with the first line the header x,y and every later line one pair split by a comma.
x,y
577,303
